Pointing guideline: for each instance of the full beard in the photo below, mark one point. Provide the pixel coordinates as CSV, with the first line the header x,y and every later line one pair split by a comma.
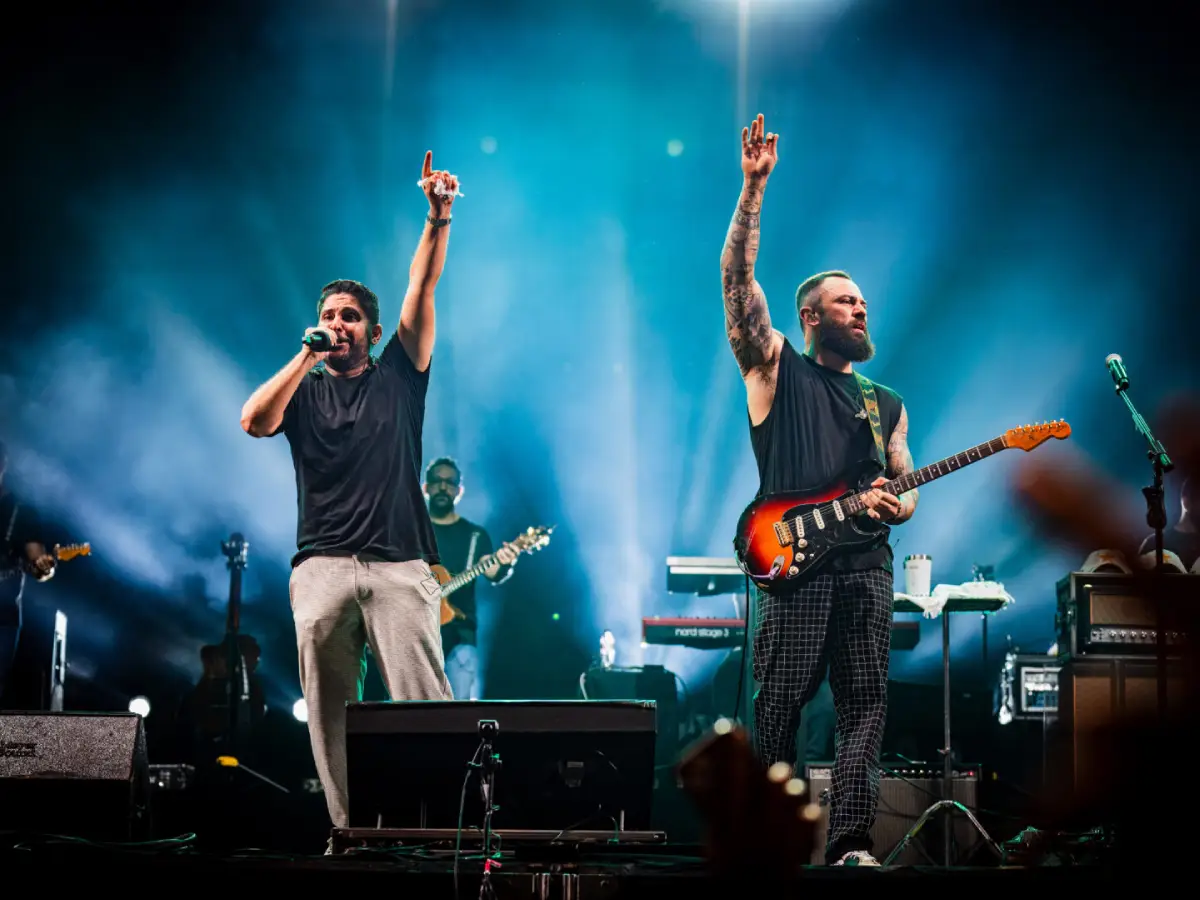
x,y
847,342
440,504
348,361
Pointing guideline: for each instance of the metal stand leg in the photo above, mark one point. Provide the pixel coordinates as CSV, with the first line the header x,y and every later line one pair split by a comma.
x,y
946,804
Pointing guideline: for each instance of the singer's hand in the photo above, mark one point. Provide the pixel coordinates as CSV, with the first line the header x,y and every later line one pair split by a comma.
x,y
318,355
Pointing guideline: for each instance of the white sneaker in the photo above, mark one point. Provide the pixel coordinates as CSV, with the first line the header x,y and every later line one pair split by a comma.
x,y
857,858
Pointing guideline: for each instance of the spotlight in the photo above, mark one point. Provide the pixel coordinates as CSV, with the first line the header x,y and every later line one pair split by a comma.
x,y
300,710
140,705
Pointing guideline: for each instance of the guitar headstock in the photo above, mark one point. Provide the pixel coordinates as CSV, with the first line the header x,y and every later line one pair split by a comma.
x,y
1029,436
760,822
235,550
533,538
70,551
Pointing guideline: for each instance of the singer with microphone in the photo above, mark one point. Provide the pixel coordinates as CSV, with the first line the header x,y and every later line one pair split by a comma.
x,y
365,544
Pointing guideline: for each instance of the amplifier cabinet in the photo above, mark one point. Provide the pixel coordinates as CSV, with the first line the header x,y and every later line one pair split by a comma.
x,y
1110,614
1095,694
903,796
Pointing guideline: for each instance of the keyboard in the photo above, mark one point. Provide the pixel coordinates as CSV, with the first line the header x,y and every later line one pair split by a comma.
x,y
704,634
717,634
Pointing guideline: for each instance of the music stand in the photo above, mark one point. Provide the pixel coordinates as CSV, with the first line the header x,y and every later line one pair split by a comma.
x,y
962,603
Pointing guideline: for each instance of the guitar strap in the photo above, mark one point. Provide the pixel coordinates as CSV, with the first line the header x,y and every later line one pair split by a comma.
x,y
871,404
471,550
8,567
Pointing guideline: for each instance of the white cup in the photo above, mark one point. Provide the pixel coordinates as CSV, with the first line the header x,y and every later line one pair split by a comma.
x,y
917,571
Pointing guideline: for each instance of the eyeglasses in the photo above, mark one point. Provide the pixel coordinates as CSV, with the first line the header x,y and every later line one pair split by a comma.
x,y
449,482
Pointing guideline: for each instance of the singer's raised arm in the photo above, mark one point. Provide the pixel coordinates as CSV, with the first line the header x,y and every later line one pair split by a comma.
x,y
417,328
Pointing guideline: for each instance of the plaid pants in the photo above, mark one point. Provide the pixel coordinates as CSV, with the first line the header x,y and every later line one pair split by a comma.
x,y
843,621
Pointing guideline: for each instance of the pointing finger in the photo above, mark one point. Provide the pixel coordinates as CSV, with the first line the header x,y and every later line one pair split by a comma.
x,y
427,168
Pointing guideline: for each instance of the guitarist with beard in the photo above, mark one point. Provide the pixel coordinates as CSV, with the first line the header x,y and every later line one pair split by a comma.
x,y
812,418
21,552
461,543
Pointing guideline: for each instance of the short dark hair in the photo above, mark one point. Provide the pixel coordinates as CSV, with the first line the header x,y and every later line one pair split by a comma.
x,y
808,288
364,295
443,461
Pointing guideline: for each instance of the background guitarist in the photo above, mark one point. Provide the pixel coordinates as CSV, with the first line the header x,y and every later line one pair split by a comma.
x,y
21,551
808,424
461,543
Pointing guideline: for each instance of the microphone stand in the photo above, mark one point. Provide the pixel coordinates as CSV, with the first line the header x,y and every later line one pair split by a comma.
x,y
1156,518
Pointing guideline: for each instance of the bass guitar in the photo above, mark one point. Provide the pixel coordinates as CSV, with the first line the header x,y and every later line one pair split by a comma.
x,y
782,537
531,539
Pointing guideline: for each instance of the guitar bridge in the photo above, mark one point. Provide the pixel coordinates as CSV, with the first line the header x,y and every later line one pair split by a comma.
x,y
783,533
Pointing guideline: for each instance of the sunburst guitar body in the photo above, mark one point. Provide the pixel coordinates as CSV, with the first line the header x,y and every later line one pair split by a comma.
x,y
783,539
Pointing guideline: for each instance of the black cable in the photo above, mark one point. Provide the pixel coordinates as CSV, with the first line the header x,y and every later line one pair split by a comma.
x,y
462,804
737,704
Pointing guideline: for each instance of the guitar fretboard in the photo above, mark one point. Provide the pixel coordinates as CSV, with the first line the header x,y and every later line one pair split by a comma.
x,y
904,483
469,575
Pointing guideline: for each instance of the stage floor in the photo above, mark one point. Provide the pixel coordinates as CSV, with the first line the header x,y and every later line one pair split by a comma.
x,y
559,872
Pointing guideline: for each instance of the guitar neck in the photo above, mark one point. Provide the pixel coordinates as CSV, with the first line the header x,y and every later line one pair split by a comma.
x,y
932,472
462,579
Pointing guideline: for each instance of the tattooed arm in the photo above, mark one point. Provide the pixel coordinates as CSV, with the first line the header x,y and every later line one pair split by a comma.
x,y
754,342
747,319
900,462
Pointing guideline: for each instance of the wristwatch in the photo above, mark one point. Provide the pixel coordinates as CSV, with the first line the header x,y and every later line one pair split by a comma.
x,y
437,223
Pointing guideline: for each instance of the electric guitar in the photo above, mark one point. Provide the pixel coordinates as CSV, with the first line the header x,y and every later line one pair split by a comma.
x,y
61,553
781,537
530,540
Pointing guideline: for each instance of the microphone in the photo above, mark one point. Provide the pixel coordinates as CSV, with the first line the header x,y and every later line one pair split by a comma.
x,y
1116,368
318,341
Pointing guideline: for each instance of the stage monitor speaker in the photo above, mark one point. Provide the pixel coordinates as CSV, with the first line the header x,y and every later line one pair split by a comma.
x,y
564,763
78,774
901,802
642,683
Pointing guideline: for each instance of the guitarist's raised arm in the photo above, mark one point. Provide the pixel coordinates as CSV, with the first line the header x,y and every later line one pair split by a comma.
x,y
900,462
754,342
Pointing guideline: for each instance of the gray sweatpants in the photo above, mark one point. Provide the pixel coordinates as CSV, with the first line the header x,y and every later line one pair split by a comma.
x,y
340,605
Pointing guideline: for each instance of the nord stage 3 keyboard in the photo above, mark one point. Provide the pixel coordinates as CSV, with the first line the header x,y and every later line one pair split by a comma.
x,y
717,634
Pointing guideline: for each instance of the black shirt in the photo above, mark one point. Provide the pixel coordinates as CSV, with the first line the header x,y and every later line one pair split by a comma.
x,y
813,435
455,547
19,525
356,446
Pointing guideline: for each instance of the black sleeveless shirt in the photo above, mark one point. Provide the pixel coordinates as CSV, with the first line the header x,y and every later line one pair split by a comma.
x,y
813,434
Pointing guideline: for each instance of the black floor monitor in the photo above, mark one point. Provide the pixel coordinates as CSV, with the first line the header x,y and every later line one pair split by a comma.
x,y
563,763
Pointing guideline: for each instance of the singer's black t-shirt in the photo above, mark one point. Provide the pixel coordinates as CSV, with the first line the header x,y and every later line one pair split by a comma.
x,y
815,431
356,447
